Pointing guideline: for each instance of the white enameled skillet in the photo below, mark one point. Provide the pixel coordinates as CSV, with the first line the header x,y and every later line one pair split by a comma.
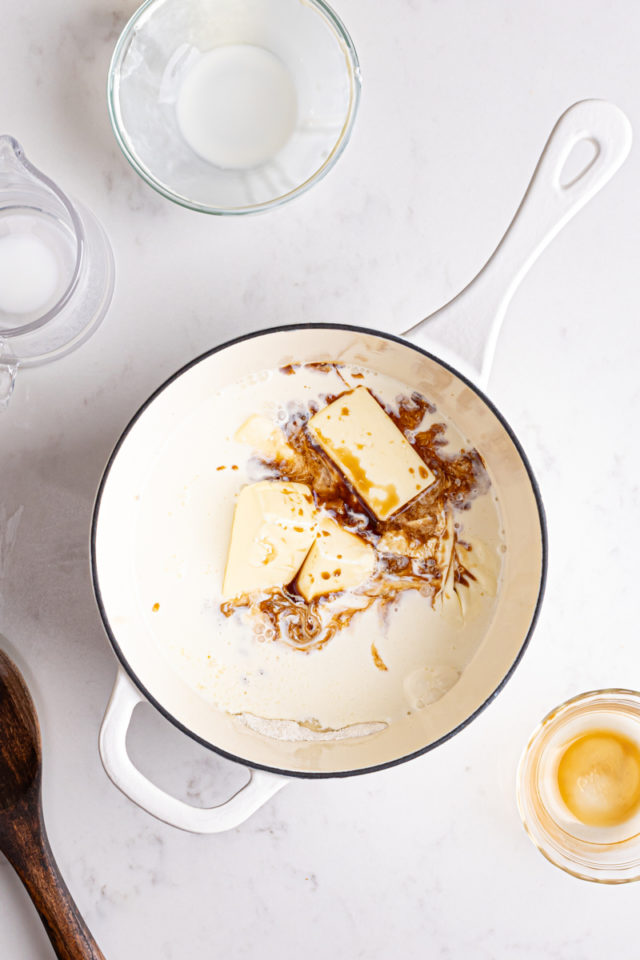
x,y
447,357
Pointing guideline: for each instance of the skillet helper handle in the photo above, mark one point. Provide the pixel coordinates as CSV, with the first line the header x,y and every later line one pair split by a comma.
x,y
35,864
121,771
466,329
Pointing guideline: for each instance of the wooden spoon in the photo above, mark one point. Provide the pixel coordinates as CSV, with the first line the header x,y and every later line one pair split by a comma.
x,y
23,838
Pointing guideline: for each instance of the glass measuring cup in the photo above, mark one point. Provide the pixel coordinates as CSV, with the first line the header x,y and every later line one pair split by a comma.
x,y
56,268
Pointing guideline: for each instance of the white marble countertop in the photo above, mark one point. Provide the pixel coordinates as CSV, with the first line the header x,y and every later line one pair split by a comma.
x,y
429,858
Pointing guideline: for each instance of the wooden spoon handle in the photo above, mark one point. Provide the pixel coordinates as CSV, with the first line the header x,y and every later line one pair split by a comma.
x,y
35,864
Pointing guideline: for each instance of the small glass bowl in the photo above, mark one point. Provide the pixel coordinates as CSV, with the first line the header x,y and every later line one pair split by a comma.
x,y
602,854
160,45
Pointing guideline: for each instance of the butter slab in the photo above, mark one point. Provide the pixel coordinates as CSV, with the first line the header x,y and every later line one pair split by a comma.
x,y
371,452
336,561
274,526
265,437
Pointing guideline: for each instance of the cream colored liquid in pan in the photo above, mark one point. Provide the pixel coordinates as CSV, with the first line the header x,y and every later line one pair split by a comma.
x,y
341,689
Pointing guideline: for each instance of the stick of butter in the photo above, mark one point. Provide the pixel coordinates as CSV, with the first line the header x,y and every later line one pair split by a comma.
x,y
372,453
274,525
265,437
337,560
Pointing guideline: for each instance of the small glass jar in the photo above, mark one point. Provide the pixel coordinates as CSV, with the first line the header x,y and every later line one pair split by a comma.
x,y
604,854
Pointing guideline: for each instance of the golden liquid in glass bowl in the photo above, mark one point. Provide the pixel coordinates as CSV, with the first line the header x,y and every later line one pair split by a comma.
x,y
599,778
578,786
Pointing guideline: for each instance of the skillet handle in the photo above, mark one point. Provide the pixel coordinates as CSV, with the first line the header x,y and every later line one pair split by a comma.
x,y
464,332
117,763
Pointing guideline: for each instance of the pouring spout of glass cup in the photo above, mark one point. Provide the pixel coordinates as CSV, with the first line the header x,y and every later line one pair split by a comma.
x,y
56,268
464,332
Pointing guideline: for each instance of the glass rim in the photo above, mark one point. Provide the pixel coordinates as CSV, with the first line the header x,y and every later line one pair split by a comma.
x,y
345,134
